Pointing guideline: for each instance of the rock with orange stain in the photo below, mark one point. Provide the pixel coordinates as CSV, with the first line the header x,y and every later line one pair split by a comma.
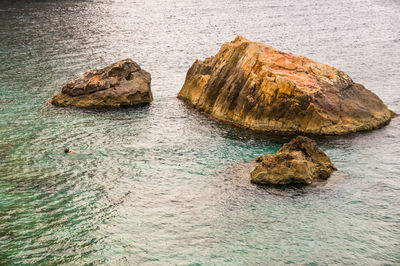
x,y
256,86
123,83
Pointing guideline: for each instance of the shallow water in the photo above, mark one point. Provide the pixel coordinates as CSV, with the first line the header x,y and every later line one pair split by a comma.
x,y
164,184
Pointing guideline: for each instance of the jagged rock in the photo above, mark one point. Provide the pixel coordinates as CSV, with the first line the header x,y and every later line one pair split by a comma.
x,y
123,83
297,162
256,86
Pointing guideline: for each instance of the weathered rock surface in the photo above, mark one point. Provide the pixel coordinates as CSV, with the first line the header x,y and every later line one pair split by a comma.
x,y
256,86
297,162
123,83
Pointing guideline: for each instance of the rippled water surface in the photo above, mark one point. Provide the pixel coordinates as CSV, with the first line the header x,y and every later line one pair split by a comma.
x,y
164,184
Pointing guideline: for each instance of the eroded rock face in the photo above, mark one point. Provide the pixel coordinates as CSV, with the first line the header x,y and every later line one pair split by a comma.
x,y
256,86
123,83
297,162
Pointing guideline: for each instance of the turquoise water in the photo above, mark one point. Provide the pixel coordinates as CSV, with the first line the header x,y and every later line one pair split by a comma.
x,y
164,184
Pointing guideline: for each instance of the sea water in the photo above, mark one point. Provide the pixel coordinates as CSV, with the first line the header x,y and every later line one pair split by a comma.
x,y
165,184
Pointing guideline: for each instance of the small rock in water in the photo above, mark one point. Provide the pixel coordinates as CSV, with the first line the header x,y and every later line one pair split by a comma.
x,y
123,83
297,162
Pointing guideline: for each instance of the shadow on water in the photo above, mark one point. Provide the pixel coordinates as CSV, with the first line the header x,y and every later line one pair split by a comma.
x,y
140,108
234,132
229,130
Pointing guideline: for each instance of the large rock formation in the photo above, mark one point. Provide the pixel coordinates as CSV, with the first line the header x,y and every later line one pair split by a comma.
x,y
254,85
297,162
123,83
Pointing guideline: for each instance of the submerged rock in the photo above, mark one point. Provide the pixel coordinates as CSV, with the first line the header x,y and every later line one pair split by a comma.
x,y
123,83
256,86
297,162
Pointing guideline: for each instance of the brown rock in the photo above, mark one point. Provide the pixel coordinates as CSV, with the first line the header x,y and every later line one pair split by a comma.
x,y
123,83
254,85
297,162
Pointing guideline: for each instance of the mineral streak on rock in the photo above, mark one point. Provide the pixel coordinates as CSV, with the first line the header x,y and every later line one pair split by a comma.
x,y
256,86
123,83
297,162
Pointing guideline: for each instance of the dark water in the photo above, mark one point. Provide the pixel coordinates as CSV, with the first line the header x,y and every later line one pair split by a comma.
x,y
164,184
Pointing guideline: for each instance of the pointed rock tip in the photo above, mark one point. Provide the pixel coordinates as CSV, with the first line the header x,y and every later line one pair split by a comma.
x,y
125,60
240,38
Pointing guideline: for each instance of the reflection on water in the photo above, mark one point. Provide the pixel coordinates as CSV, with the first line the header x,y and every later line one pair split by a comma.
x,y
164,184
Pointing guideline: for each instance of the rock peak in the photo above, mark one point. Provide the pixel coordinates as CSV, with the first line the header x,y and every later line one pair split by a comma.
x,y
240,38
